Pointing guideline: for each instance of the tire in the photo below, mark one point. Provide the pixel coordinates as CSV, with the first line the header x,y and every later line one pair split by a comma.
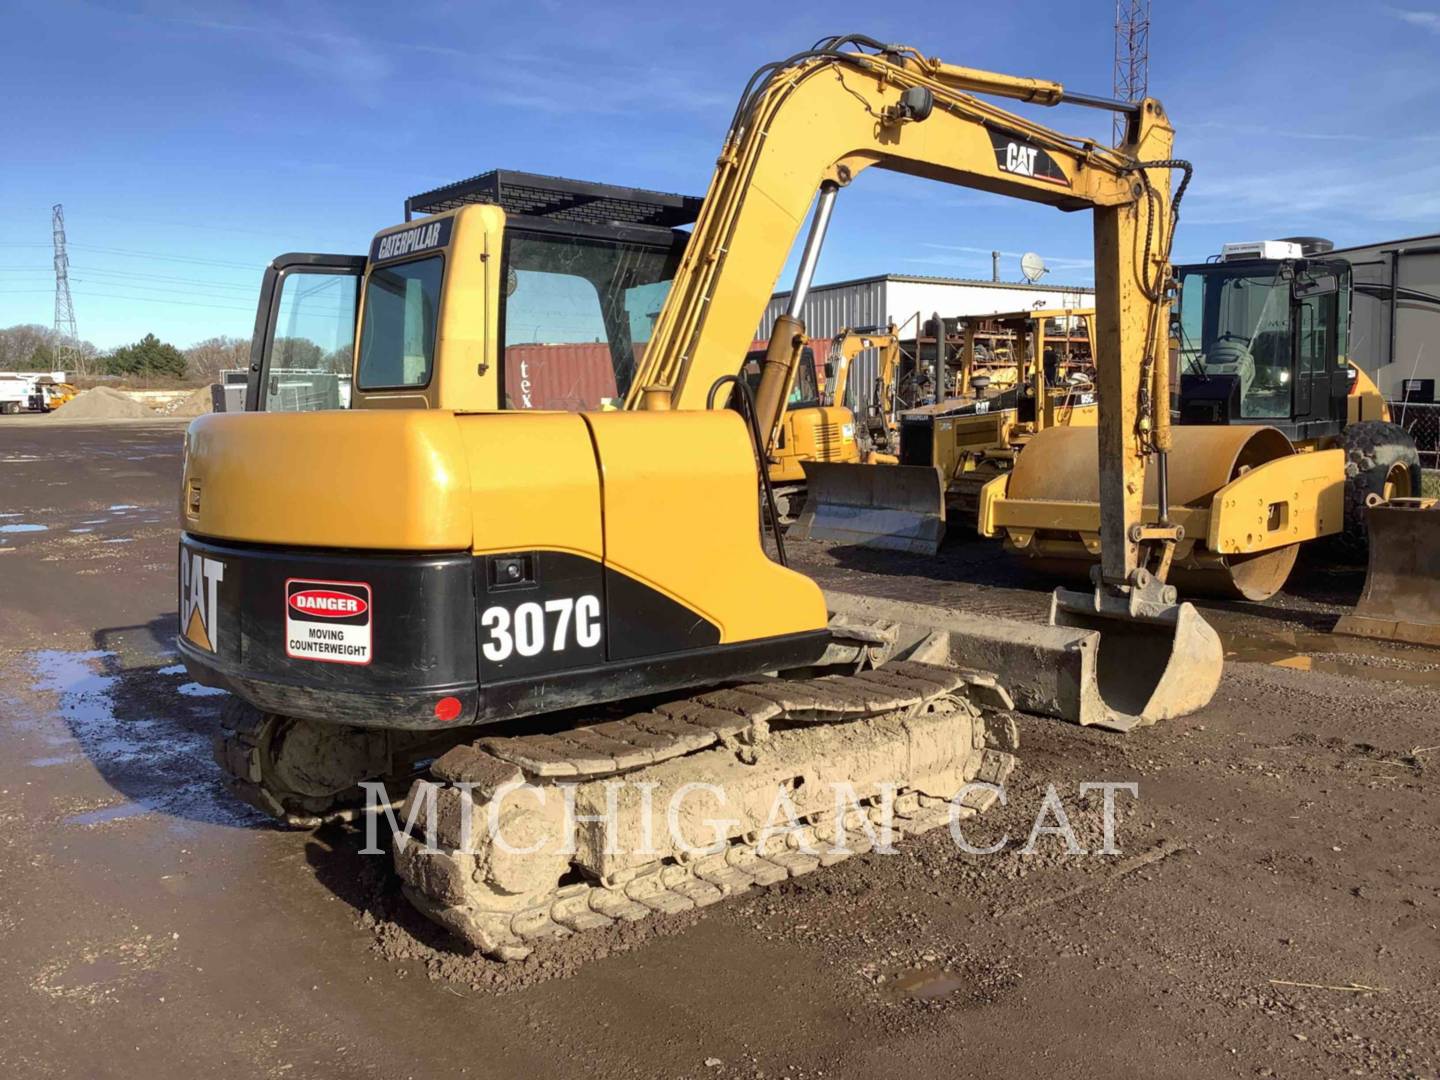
x,y
1373,450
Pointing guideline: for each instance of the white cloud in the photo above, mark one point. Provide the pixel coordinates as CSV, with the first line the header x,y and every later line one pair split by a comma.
x,y
1428,20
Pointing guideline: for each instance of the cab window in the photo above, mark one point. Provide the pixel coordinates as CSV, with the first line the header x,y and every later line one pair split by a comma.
x,y
400,316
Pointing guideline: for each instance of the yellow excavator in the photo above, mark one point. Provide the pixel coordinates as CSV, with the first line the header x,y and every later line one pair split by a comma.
x,y
948,451
811,428
584,599
875,420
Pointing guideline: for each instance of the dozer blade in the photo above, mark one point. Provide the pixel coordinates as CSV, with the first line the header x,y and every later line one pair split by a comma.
x,y
1401,601
1093,669
895,507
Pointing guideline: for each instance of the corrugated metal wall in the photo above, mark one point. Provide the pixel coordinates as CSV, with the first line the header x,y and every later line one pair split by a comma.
x,y
828,309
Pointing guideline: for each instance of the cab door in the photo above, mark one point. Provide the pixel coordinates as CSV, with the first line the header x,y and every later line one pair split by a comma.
x,y
1316,344
302,352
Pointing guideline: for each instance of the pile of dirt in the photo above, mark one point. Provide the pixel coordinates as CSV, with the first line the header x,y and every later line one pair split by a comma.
x,y
102,403
197,402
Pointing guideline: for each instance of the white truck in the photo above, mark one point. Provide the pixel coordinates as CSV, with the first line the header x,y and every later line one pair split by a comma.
x,y
15,393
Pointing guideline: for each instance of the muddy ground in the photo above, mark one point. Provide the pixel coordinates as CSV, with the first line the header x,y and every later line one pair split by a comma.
x,y
150,926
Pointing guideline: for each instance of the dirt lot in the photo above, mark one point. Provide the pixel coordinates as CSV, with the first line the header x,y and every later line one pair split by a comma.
x,y
150,926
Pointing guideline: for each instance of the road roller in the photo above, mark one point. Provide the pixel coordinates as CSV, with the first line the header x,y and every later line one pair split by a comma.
x,y
1281,439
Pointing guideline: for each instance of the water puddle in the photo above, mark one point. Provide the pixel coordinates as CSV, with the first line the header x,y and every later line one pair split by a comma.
x,y
195,689
107,813
924,984
150,745
1331,654
24,527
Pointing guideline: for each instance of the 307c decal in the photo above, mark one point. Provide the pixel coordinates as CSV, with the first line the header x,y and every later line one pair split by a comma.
x,y
536,626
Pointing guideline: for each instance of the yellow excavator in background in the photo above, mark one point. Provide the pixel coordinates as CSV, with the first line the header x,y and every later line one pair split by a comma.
x,y
875,415
425,568
811,428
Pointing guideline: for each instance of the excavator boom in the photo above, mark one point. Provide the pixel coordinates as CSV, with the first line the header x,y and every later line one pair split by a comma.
x,y
826,115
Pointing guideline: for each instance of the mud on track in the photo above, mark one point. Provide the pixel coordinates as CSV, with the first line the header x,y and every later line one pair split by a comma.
x,y
148,924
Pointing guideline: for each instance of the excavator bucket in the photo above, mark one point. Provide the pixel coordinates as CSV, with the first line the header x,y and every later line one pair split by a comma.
x,y
1154,661
895,507
1401,601
1091,668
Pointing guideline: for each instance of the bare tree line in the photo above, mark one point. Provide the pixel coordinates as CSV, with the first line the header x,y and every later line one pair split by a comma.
x,y
32,347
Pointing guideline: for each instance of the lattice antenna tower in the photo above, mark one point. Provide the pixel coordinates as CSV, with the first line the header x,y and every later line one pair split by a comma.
x,y
66,335
1132,55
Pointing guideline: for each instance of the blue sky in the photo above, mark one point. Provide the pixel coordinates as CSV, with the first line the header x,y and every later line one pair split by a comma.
x,y
191,142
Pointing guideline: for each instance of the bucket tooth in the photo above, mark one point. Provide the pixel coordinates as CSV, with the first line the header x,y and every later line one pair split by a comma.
x,y
1401,601
894,507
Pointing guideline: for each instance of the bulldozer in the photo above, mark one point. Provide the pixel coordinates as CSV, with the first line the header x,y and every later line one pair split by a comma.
x,y
542,603
949,450
1281,439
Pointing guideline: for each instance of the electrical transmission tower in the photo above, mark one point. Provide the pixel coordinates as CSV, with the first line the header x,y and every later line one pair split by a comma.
x,y
1132,55
66,336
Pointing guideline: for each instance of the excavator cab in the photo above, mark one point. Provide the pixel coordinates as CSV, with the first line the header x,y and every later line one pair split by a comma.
x,y
547,290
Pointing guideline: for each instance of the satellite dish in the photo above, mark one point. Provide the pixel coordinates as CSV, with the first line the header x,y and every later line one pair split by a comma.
x,y
1033,266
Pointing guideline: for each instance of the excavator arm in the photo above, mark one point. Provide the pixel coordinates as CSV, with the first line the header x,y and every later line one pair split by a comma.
x,y
849,344
809,125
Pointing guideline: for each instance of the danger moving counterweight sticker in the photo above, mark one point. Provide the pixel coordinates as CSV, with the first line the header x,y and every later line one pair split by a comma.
x,y
328,621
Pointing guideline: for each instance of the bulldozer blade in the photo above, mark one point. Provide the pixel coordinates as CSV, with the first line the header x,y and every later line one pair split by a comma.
x,y
1159,663
1115,674
894,507
1401,600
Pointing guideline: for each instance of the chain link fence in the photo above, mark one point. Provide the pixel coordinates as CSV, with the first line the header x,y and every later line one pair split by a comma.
x,y
1422,421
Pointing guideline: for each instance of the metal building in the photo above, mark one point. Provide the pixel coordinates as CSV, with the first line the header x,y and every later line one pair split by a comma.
x,y
908,300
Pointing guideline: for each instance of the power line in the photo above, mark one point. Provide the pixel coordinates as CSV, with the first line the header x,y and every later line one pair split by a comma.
x,y
249,287
159,300
161,255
